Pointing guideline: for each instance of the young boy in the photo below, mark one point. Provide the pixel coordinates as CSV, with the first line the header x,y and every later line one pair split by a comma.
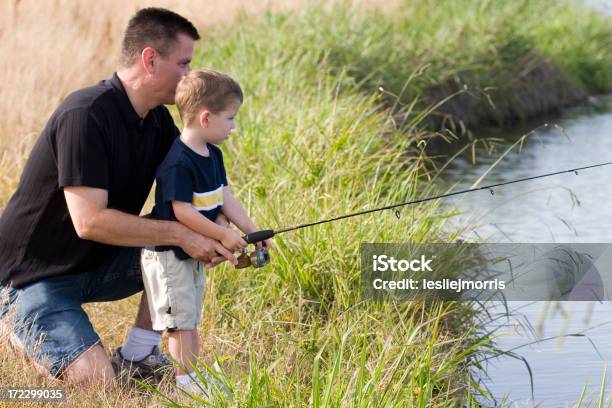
x,y
192,189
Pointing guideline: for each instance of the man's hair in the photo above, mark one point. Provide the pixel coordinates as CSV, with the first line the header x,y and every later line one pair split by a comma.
x,y
205,89
154,27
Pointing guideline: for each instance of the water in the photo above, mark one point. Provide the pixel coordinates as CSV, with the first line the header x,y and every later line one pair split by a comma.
x,y
563,208
603,6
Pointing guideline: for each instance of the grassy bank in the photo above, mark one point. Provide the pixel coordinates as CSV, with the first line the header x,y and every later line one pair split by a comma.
x,y
505,60
316,138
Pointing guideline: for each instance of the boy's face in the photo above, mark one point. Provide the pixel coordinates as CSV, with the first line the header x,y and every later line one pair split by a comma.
x,y
219,125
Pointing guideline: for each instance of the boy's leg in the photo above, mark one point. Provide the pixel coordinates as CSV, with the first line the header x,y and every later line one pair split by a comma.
x,y
199,283
173,295
181,347
195,342
170,293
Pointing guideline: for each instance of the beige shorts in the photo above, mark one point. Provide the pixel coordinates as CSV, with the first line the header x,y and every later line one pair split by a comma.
x,y
175,290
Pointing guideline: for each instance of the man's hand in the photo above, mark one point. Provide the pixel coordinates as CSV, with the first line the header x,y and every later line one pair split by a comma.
x,y
215,261
205,249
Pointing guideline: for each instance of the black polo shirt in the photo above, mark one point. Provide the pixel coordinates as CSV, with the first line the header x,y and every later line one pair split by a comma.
x,y
95,138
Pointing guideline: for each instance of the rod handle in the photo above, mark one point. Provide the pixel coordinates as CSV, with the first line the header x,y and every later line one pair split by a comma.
x,y
258,236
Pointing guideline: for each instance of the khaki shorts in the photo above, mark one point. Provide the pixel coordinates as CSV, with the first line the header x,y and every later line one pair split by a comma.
x,y
175,290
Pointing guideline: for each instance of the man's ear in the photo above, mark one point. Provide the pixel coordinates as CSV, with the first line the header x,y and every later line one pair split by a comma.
x,y
203,118
147,59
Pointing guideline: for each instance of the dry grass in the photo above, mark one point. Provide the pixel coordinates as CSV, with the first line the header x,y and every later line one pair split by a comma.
x,y
56,47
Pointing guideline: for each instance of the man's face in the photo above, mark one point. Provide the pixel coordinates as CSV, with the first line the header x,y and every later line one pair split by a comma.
x,y
171,68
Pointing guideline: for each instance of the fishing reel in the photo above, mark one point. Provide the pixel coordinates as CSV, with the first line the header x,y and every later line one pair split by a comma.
x,y
259,257
256,259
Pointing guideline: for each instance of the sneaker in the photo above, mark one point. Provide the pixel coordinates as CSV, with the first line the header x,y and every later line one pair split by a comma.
x,y
154,366
208,389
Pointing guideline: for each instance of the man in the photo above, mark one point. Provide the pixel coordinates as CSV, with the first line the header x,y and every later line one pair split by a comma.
x,y
71,233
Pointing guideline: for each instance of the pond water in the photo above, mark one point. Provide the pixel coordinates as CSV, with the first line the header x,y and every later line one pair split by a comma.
x,y
564,208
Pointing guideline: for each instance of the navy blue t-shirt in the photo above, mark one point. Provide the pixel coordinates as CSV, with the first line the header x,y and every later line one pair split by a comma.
x,y
187,176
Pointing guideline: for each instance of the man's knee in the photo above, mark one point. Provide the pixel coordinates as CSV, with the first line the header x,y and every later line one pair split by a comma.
x,y
92,366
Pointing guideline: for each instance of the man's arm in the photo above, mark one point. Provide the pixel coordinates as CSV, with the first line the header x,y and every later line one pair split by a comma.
x,y
94,221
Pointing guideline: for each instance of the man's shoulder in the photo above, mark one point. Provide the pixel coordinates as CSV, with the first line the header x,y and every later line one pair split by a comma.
x,y
98,96
92,104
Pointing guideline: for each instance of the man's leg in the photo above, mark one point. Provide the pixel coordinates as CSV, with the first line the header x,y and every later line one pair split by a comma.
x,y
49,325
92,367
117,278
141,339
54,330
143,317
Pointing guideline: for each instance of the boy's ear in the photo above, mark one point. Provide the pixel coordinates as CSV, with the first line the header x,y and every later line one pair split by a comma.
x,y
203,118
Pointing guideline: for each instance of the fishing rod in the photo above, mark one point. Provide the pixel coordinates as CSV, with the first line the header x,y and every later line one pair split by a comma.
x,y
261,257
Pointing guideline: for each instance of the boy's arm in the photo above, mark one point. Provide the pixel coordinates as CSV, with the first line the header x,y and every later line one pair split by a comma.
x,y
191,218
235,213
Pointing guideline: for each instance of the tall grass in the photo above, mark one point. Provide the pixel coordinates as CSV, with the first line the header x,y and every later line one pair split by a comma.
x,y
311,145
511,59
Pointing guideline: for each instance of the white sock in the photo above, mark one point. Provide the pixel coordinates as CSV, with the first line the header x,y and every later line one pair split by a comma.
x,y
139,344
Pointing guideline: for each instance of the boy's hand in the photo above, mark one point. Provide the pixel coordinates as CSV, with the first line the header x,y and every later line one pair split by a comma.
x,y
263,245
233,241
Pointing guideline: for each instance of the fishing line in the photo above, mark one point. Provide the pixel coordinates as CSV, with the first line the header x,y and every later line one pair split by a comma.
x,y
259,236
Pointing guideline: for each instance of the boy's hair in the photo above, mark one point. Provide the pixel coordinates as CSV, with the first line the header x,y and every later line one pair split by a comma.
x,y
153,27
205,88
